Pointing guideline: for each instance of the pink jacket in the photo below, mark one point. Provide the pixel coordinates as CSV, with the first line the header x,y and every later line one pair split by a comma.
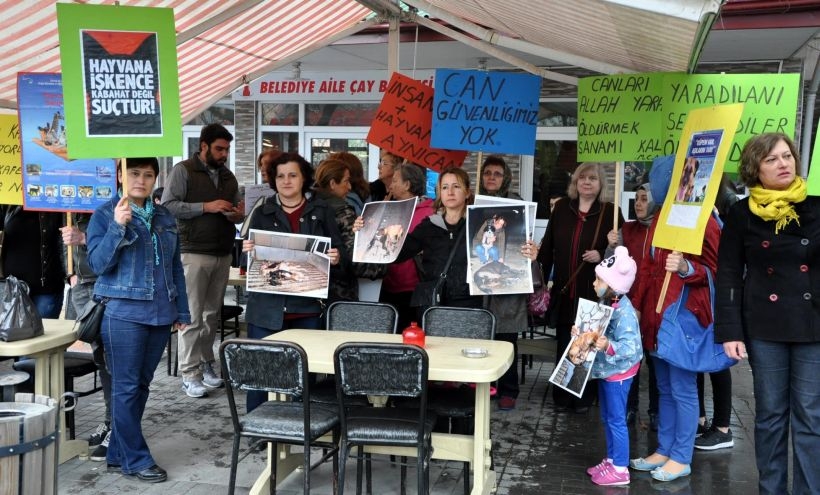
x,y
402,277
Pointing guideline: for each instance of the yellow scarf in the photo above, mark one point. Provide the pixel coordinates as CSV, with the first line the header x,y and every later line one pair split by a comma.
x,y
769,204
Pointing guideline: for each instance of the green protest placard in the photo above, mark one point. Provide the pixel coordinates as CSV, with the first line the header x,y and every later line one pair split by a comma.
x,y
769,104
619,117
814,169
120,81
637,117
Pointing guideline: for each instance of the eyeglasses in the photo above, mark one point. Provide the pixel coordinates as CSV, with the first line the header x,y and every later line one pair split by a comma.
x,y
490,173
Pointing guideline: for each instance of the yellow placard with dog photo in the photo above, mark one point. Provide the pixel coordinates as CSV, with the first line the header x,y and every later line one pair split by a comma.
x,y
705,142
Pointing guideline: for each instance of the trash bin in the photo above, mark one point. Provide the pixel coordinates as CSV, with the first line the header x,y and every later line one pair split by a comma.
x,y
28,445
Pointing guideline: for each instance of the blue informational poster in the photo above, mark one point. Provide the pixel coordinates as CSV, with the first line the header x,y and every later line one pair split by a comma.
x,y
52,182
495,112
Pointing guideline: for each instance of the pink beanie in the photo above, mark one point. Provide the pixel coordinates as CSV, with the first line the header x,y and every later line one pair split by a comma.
x,y
618,271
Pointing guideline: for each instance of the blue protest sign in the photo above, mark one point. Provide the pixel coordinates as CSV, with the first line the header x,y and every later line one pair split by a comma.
x,y
485,111
52,182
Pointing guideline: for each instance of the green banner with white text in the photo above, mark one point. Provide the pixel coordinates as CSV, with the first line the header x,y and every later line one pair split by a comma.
x,y
637,117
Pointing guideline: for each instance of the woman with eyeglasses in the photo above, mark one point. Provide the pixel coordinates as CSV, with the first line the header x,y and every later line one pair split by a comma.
x,y
379,187
510,310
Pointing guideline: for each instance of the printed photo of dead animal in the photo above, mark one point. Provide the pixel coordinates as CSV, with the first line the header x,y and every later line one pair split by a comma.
x,y
386,224
290,264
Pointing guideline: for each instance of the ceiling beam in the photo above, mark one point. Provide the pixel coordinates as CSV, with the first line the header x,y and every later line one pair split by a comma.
x,y
496,52
212,22
494,38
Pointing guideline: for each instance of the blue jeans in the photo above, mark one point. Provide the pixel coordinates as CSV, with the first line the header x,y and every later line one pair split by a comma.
x,y
612,400
48,305
787,391
677,411
485,256
132,351
255,397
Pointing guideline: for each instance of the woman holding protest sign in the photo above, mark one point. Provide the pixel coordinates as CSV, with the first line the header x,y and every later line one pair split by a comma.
x,y
293,209
766,304
677,387
575,241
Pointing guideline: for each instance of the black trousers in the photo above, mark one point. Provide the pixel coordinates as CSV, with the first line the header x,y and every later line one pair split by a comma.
x,y
721,396
508,383
632,402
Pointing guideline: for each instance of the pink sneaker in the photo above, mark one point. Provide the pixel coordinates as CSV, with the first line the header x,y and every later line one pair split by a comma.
x,y
610,477
598,467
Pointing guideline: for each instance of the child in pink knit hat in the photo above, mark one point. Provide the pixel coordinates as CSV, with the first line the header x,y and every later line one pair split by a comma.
x,y
616,363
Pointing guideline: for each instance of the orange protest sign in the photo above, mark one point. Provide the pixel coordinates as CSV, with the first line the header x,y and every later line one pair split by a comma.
x,y
403,124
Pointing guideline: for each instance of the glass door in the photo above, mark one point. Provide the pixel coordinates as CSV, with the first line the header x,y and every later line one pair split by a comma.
x,y
320,144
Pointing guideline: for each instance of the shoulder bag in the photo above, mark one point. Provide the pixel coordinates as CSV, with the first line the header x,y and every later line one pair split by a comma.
x,y
683,342
428,292
89,322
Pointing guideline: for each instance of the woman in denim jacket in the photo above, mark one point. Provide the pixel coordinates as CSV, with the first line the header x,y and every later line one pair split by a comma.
x,y
134,250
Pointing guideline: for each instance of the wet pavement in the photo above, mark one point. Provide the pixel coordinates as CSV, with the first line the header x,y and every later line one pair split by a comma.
x,y
536,449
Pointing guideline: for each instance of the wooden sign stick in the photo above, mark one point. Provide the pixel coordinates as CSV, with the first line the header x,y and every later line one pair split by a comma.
x,y
124,178
69,265
619,170
659,306
479,160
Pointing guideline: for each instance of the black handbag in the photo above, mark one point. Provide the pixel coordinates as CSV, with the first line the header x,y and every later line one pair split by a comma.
x,y
89,322
19,319
428,292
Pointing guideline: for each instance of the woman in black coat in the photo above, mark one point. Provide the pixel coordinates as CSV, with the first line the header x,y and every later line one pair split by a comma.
x,y
575,241
767,293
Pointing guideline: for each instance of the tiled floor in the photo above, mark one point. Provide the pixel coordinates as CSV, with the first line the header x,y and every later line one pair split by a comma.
x,y
536,449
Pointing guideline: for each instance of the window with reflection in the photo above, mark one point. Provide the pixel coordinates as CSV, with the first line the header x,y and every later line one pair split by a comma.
x,y
320,148
558,113
221,112
280,113
340,114
285,142
553,164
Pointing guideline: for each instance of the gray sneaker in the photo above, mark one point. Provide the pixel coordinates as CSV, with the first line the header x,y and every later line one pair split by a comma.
x,y
194,388
209,377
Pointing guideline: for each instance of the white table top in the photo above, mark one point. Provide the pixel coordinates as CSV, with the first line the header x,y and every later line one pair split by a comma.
x,y
57,333
234,278
444,353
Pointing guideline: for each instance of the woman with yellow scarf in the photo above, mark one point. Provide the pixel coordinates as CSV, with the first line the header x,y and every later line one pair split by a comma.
x,y
768,304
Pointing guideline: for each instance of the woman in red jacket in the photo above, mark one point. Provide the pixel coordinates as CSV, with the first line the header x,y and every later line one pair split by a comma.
x,y
677,388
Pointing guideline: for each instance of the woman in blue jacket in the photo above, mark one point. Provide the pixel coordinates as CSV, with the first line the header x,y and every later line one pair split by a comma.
x,y
133,248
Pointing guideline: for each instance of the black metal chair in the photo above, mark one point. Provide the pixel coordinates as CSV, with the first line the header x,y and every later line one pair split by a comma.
x,y
383,369
354,316
282,368
448,402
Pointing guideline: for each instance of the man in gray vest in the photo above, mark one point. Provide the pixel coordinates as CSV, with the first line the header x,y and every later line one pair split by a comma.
x,y
203,194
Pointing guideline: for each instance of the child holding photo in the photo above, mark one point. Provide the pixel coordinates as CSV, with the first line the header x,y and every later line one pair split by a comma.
x,y
616,362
